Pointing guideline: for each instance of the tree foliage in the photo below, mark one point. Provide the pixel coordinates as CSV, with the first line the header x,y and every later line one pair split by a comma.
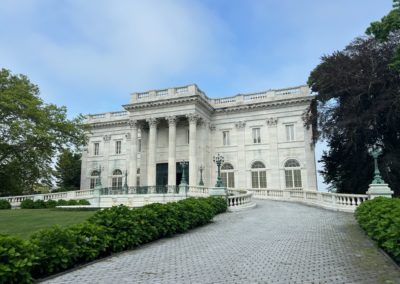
x,y
68,170
382,29
358,104
31,133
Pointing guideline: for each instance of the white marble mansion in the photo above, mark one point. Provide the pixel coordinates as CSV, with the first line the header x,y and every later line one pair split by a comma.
x,y
260,135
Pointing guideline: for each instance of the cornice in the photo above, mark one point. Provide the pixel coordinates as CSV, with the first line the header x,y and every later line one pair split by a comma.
x,y
114,123
294,101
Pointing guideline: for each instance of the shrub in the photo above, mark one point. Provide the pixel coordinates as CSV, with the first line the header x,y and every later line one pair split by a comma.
x,y
57,250
83,202
380,218
92,239
39,204
4,204
16,259
62,202
72,202
27,204
51,204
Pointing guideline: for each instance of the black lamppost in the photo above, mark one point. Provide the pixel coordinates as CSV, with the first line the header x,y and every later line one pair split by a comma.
x,y
126,182
219,160
183,165
201,175
375,151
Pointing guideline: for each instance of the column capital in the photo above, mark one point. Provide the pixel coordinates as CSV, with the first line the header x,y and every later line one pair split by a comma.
x,y
107,138
272,121
133,123
152,121
192,117
171,120
212,127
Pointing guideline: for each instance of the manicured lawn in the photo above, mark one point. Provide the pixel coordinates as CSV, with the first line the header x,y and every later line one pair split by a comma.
x,y
24,222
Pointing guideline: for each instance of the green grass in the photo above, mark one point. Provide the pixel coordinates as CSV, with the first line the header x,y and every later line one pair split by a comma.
x,y
24,222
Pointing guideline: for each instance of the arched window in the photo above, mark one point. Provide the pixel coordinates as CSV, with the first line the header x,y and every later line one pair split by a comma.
x,y
293,174
138,177
117,179
258,175
93,177
228,175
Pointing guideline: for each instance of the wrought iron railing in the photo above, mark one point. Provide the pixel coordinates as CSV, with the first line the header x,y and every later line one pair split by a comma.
x,y
157,189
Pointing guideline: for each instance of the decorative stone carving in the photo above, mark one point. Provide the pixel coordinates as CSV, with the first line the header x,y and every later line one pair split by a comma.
x,y
152,122
193,118
107,138
272,121
128,136
240,124
171,120
85,149
212,127
133,123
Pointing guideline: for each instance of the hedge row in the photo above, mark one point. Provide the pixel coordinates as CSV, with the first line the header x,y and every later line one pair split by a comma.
x,y
380,218
111,230
4,204
41,204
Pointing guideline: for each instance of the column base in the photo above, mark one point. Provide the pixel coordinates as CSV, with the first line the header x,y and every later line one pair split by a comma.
x,y
376,190
183,187
218,191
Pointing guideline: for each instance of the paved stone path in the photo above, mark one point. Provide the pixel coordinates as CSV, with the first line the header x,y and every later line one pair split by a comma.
x,y
276,242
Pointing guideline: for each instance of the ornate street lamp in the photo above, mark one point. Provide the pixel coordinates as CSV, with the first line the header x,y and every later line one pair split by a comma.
x,y
126,182
201,168
183,165
375,151
219,160
98,180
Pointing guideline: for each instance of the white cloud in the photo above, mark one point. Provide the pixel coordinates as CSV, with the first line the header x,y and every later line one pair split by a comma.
x,y
125,44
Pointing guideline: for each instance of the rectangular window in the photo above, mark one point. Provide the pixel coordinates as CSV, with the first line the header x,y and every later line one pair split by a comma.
x,y
92,183
289,132
118,147
188,136
289,178
256,136
96,148
117,182
138,180
139,145
263,179
224,178
225,138
254,180
231,180
297,178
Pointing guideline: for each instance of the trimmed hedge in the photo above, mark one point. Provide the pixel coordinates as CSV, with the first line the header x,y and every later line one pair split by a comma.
x,y
4,204
41,204
380,218
110,230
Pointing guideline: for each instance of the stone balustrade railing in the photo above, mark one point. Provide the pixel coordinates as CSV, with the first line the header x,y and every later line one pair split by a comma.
x,y
239,199
328,200
236,198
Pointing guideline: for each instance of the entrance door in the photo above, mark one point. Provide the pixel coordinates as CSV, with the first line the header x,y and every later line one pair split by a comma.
x,y
162,174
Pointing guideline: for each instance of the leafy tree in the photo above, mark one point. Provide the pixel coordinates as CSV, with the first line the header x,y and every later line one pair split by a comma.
x,y
382,29
68,170
31,133
357,104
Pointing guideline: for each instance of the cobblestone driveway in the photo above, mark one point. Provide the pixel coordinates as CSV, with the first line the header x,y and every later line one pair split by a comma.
x,y
276,242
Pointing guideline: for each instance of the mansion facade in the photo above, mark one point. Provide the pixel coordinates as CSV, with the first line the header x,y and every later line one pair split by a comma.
x,y
260,135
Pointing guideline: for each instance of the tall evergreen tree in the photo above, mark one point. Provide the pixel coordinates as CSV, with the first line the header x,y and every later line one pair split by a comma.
x,y
68,170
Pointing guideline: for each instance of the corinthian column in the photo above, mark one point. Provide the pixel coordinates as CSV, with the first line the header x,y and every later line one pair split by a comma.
x,y
133,153
151,163
171,150
192,148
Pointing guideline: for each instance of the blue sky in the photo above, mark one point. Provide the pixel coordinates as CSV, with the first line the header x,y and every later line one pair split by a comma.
x,y
90,55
